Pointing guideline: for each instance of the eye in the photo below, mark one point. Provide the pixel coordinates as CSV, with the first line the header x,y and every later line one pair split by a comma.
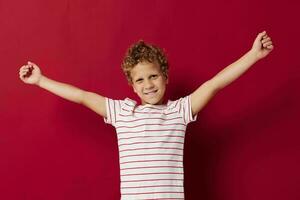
x,y
139,80
153,76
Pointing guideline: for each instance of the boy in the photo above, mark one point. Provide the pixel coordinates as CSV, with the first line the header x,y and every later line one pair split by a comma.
x,y
151,135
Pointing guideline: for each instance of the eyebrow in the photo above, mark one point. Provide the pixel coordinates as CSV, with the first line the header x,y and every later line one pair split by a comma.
x,y
149,76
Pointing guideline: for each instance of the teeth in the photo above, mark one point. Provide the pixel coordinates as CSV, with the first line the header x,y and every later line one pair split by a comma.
x,y
151,92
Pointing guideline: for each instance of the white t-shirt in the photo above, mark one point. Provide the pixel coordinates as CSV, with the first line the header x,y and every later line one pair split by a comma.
x,y
151,142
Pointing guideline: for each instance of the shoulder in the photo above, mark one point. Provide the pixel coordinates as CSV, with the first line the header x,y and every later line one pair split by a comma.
x,y
178,102
120,105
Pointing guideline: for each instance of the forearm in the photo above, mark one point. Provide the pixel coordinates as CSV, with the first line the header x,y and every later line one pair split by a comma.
x,y
63,90
234,70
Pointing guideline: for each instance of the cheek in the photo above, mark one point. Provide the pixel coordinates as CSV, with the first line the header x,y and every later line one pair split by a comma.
x,y
162,84
137,89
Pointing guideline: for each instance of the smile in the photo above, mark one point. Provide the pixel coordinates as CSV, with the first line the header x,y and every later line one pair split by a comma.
x,y
150,93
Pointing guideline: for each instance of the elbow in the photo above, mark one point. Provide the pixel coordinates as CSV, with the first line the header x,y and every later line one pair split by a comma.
x,y
80,99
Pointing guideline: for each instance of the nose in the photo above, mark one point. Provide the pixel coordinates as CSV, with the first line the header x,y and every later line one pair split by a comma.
x,y
148,84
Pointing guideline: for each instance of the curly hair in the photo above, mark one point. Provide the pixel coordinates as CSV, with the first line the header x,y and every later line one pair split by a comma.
x,y
141,52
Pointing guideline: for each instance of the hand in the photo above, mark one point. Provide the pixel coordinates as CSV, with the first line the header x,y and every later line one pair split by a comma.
x,y
262,45
30,73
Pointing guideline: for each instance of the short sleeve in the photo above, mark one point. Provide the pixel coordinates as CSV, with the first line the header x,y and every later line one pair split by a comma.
x,y
111,111
184,108
117,108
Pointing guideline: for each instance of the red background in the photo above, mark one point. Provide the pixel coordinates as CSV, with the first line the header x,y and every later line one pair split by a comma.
x,y
245,143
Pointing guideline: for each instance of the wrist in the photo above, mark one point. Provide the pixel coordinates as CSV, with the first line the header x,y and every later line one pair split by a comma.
x,y
38,83
254,55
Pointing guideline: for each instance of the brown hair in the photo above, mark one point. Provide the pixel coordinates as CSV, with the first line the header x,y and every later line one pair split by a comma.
x,y
140,52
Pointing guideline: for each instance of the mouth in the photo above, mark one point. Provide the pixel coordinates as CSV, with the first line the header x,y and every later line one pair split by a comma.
x,y
150,93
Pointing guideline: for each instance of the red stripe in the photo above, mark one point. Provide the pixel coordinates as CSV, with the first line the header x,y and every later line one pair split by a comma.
x,y
142,131
152,193
129,105
176,103
157,154
148,119
150,137
128,168
150,124
150,143
189,109
108,101
176,179
150,148
165,199
180,105
183,113
147,112
114,111
136,161
152,186
151,173
165,106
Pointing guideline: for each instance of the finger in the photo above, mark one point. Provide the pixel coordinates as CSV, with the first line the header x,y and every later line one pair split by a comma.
x,y
24,70
264,33
24,66
21,77
31,63
260,36
270,47
22,74
21,71
266,40
267,44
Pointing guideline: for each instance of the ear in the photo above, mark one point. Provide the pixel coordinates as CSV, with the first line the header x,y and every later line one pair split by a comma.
x,y
167,79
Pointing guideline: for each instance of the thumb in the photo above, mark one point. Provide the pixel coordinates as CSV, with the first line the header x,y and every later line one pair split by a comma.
x,y
261,35
31,63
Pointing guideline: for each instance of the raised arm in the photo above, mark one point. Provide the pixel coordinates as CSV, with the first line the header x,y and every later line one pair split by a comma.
x,y
31,74
262,46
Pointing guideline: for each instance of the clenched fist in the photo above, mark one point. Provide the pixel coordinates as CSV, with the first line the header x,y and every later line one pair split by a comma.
x,y
262,45
30,73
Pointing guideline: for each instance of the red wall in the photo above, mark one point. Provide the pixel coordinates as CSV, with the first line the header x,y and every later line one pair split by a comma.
x,y
245,143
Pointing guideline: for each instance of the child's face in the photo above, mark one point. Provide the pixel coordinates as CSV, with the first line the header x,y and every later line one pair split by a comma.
x,y
149,82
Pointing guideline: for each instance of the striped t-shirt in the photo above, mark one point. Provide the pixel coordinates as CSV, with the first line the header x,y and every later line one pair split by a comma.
x,y
151,142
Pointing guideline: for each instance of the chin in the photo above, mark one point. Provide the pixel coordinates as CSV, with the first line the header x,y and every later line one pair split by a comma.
x,y
150,101
155,100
